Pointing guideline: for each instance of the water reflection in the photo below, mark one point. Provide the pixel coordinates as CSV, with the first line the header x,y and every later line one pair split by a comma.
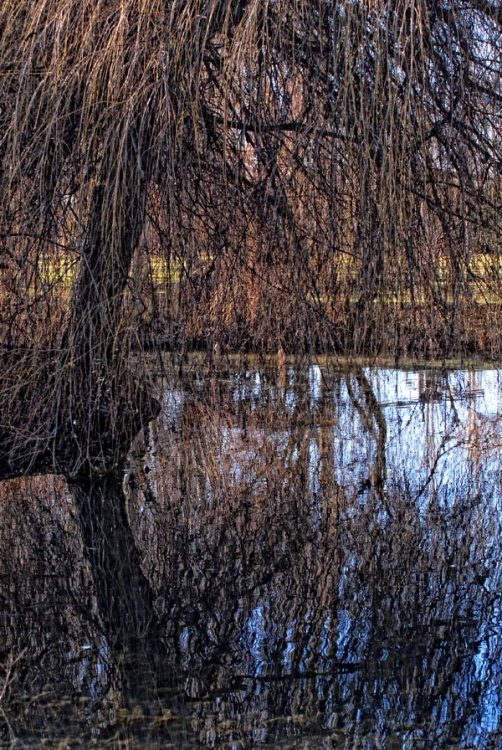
x,y
303,559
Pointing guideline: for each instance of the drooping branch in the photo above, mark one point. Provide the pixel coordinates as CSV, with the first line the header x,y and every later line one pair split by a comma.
x,y
252,174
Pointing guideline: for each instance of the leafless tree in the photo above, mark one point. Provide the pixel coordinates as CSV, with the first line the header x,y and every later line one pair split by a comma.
x,y
241,174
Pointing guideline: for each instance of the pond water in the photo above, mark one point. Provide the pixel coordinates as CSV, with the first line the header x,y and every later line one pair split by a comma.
x,y
295,558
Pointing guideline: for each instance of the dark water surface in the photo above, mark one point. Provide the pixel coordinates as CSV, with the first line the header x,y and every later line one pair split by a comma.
x,y
295,559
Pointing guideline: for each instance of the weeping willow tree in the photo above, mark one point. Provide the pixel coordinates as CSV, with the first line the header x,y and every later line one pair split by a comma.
x,y
304,174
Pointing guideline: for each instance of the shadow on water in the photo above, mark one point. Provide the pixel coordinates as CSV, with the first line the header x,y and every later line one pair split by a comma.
x,y
302,559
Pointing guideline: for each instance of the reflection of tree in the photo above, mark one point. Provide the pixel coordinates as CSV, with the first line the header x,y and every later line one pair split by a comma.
x,y
326,617
372,418
75,599
316,613
254,605
124,596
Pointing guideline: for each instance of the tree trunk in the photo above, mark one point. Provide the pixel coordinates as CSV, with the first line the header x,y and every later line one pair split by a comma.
x,y
101,405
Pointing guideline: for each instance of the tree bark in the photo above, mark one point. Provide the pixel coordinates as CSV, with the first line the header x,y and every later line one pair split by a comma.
x,y
101,403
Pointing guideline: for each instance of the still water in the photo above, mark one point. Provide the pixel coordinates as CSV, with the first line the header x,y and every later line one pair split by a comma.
x,y
304,558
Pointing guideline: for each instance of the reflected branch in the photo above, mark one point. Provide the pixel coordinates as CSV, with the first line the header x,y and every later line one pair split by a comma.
x,y
373,419
125,597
